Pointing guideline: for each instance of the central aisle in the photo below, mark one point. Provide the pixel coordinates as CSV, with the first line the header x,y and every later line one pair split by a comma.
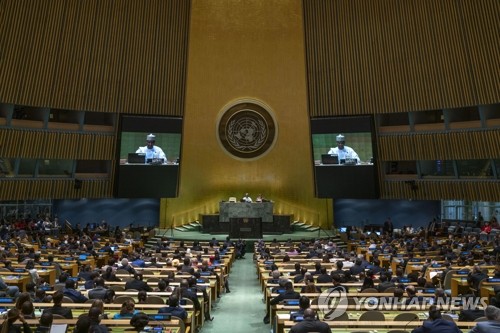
x,y
242,310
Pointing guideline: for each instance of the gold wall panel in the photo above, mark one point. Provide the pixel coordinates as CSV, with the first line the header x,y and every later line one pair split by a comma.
x,y
369,57
29,189
440,146
101,55
250,50
475,190
56,145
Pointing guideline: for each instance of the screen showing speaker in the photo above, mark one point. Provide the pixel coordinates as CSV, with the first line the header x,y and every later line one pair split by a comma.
x,y
149,150
344,157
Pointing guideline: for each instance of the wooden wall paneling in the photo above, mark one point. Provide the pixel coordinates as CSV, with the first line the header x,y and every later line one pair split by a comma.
x,y
481,27
99,55
418,45
493,138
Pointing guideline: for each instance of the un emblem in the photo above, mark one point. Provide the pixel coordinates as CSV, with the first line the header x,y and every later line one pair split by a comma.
x,y
246,130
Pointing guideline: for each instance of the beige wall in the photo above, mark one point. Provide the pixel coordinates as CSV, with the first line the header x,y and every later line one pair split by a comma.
x,y
246,50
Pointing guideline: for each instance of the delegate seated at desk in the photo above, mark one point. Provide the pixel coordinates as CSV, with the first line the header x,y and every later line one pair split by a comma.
x,y
343,151
152,151
246,198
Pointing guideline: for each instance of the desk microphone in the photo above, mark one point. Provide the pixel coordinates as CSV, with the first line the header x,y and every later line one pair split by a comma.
x,y
412,320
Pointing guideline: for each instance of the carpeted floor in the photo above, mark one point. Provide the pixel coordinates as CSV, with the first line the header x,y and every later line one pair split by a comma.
x,y
241,310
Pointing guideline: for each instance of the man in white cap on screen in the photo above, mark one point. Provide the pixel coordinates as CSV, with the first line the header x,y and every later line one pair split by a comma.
x,y
152,151
344,152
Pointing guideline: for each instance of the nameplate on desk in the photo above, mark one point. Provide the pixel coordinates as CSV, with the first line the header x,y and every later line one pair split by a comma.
x,y
291,302
6,300
245,229
160,317
494,280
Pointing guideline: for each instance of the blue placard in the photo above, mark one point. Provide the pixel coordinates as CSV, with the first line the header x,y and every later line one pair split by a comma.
x,y
160,317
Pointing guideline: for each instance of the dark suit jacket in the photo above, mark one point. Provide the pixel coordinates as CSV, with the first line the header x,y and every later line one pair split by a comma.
x,y
191,294
490,326
324,278
310,325
287,295
57,309
97,293
384,285
174,311
75,295
137,285
438,325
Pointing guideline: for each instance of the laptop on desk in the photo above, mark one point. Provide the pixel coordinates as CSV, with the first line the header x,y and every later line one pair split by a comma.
x,y
329,159
136,158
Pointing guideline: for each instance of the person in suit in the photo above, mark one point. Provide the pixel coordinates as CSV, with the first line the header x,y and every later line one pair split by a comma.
x,y
173,308
288,294
358,267
186,292
476,276
437,324
413,298
57,298
310,324
45,323
384,283
72,293
137,284
388,228
99,291
323,277
492,325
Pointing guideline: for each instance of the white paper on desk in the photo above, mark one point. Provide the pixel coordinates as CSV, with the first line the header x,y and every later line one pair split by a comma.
x,y
434,273
59,328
